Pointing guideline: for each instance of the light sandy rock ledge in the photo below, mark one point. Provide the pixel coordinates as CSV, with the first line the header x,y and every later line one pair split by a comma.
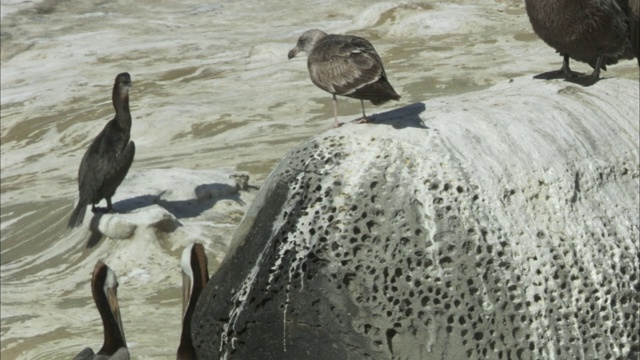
x,y
159,199
500,224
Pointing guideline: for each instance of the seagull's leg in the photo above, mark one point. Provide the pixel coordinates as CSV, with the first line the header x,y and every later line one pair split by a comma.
x,y
589,79
564,73
364,119
335,112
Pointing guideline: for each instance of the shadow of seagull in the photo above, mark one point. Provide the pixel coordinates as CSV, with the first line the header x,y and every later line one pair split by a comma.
x,y
404,117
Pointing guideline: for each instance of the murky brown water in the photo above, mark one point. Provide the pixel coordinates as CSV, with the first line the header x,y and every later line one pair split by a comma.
x,y
212,89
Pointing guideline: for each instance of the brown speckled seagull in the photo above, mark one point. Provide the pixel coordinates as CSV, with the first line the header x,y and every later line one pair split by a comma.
x,y
345,65
597,32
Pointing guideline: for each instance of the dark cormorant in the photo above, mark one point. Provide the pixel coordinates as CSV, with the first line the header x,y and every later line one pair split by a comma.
x,y
195,275
108,158
345,65
104,287
597,32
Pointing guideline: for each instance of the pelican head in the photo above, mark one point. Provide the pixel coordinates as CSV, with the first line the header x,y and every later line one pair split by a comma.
x,y
104,287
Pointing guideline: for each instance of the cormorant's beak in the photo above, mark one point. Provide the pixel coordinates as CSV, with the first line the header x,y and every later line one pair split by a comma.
x,y
186,292
293,52
126,87
112,298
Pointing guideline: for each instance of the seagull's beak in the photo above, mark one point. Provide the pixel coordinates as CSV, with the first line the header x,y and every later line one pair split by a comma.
x,y
293,53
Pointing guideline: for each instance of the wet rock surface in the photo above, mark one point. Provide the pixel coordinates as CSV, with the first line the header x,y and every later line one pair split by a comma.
x,y
491,225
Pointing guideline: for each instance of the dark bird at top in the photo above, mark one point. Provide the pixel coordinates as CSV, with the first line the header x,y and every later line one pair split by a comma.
x,y
597,32
104,287
195,275
345,65
108,159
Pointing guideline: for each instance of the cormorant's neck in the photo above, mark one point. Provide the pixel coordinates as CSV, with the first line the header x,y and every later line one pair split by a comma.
x,y
121,104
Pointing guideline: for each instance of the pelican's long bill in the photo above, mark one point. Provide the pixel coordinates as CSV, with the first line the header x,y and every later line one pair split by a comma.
x,y
187,278
111,291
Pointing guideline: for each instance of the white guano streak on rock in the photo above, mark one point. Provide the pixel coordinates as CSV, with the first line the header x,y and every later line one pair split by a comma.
x,y
240,297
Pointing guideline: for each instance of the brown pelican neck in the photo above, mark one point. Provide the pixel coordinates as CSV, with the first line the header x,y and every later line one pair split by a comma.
x,y
104,287
200,270
195,275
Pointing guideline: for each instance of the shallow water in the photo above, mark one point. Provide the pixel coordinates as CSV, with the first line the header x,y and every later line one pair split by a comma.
x,y
212,89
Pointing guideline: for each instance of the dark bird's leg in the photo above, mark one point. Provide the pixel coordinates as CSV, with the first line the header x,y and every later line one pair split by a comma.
x,y
564,73
101,210
589,79
335,112
110,207
364,119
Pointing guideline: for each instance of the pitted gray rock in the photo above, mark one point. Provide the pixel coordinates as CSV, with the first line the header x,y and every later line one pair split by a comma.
x,y
497,230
